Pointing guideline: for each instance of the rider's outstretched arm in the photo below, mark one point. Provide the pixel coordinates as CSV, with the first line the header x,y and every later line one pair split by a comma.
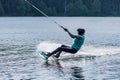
x,y
72,35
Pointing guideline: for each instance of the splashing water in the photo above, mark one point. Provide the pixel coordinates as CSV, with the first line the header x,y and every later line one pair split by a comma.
x,y
86,50
47,46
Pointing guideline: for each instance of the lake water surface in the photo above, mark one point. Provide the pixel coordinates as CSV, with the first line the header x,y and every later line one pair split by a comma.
x,y
21,37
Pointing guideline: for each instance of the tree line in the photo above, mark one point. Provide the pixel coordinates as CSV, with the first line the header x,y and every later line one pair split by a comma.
x,y
60,7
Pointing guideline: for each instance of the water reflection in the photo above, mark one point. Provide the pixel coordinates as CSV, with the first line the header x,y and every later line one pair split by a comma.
x,y
55,65
77,73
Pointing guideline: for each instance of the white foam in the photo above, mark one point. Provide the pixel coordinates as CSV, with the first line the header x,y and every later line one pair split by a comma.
x,y
98,51
47,46
86,50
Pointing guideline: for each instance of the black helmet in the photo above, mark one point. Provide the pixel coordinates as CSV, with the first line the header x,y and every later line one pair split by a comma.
x,y
81,31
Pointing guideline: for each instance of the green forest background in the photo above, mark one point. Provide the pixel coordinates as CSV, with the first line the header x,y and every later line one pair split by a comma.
x,y
61,7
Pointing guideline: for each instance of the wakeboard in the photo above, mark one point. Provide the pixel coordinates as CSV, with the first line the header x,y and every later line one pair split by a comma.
x,y
42,55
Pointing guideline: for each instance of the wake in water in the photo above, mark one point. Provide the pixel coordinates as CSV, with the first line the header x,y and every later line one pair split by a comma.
x,y
85,50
